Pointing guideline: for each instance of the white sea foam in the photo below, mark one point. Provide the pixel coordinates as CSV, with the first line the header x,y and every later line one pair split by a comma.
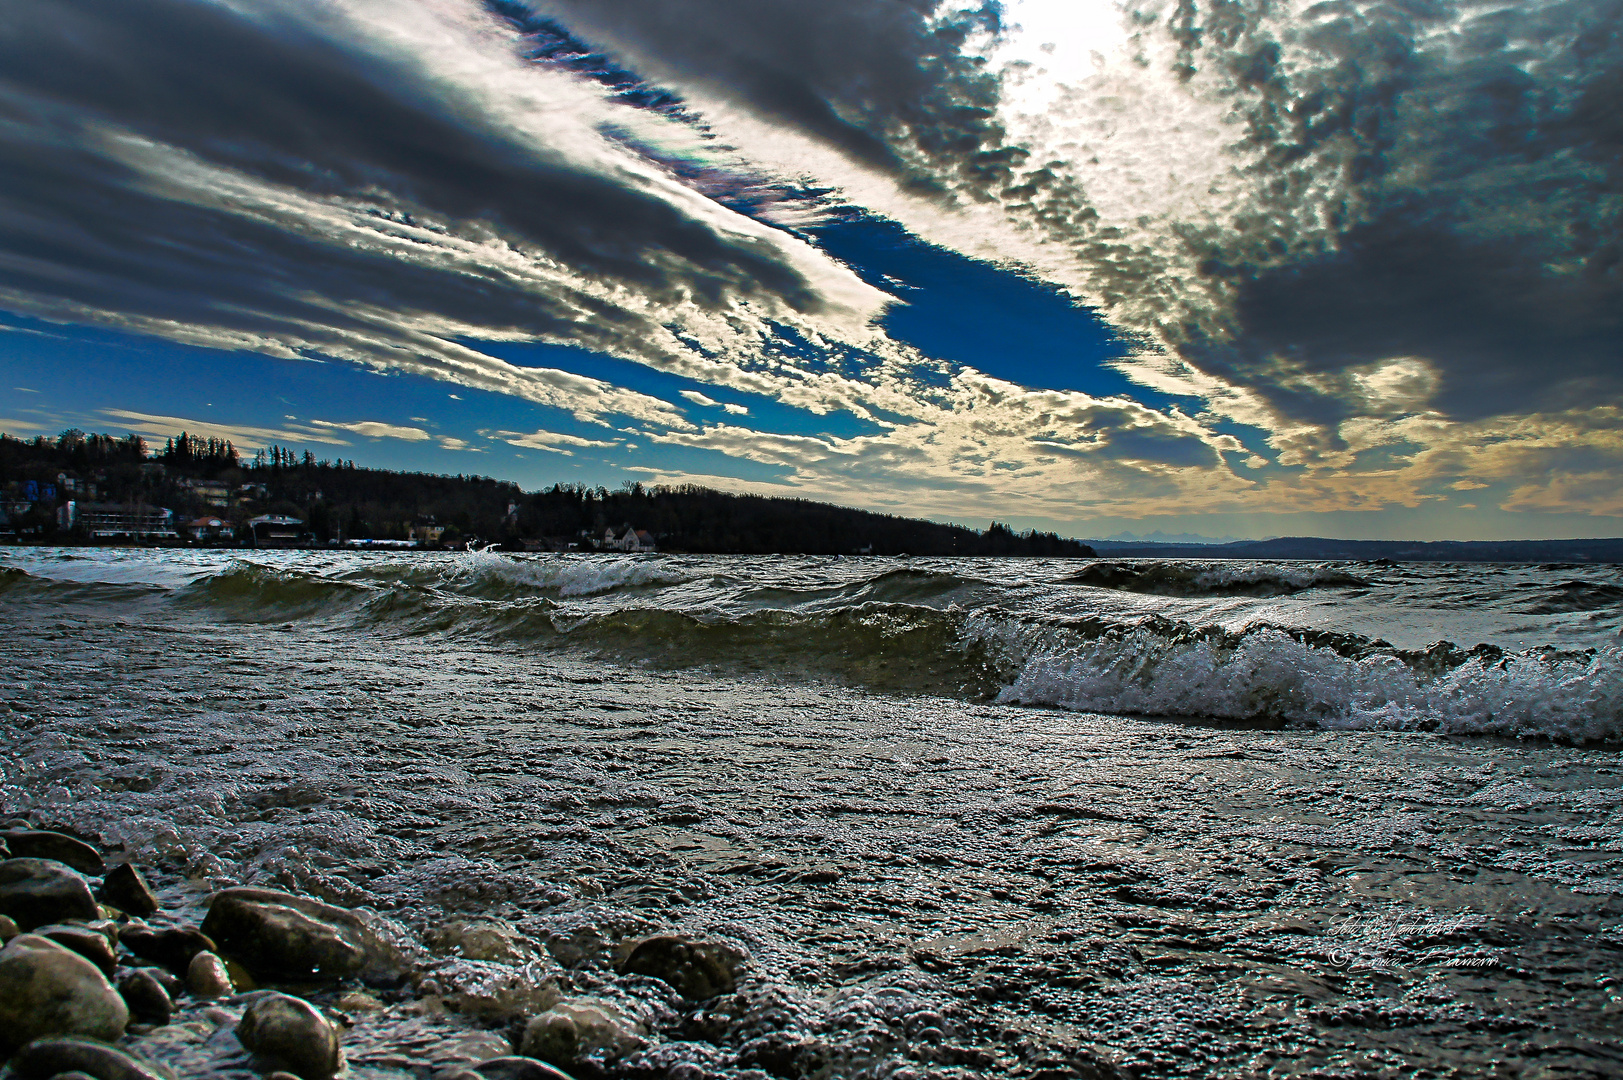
x,y
1269,674
572,576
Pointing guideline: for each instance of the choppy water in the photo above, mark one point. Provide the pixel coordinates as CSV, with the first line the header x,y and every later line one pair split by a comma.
x,y
931,798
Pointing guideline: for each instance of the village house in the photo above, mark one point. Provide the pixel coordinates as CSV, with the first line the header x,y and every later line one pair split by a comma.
x,y
211,528
628,539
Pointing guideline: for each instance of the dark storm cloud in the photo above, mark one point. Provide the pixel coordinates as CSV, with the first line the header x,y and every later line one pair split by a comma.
x,y
884,81
104,108
1475,161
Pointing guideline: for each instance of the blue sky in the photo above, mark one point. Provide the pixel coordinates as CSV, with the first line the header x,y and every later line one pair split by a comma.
x,y
1028,261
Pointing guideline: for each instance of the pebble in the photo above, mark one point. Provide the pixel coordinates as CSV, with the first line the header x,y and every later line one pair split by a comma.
x,y
36,892
695,969
44,844
571,1031
8,928
292,1032
148,999
207,978
87,941
125,889
46,989
173,947
277,935
52,1057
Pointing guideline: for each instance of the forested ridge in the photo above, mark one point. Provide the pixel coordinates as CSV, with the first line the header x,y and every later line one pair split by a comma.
x,y
340,501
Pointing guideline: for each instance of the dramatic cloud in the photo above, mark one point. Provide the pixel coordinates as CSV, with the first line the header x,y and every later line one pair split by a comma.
x,y
1371,252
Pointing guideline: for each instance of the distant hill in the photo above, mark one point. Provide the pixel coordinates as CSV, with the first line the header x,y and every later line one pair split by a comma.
x,y
1314,547
332,501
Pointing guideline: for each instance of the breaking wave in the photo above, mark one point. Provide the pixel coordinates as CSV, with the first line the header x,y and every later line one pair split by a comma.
x,y
1269,673
950,629
1207,579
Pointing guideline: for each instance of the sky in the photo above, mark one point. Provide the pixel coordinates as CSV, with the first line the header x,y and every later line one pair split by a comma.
x,y
1240,269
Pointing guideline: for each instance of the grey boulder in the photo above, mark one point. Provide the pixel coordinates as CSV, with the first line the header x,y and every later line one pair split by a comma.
x,y
46,990
35,892
45,1058
173,947
87,941
290,1032
277,935
127,890
45,844
147,997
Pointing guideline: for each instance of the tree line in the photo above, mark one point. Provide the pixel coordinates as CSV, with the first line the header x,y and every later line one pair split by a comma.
x,y
340,501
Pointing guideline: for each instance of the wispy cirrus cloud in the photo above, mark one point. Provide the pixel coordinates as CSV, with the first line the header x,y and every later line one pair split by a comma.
x,y
376,429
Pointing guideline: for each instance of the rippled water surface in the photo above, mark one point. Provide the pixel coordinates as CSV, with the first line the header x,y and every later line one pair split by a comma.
x,y
896,785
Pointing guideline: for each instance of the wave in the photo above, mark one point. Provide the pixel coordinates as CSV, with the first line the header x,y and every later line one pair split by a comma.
x,y
1577,596
251,592
568,577
1208,579
935,631
1270,673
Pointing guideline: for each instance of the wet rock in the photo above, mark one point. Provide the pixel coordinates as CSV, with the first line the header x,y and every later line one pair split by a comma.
x,y
695,969
173,946
289,1031
60,847
46,989
127,890
148,999
517,1068
8,928
278,935
88,942
495,993
571,1032
45,1058
494,940
36,892
207,978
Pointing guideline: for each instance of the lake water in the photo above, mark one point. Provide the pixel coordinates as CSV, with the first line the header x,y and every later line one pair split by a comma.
x,y
966,817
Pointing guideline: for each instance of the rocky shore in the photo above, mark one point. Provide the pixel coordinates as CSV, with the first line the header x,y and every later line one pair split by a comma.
x,y
100,979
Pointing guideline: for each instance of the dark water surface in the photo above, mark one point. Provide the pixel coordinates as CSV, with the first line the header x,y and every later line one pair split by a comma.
x,y
831,767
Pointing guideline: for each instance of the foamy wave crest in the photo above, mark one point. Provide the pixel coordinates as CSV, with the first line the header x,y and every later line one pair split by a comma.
x,y
1213,579
566,576
1267,674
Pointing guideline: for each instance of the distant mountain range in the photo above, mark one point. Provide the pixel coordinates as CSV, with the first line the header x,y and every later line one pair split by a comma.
x,y
1315,547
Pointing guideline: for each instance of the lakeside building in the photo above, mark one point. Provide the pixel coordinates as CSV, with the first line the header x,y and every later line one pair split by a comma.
x,y
628,540
276,530
211,528
111,521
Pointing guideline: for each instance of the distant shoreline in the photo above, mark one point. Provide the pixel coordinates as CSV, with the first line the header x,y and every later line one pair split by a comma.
x,y
1291,549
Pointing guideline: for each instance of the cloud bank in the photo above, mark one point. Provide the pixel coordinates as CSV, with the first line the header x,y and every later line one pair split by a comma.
x,y
1372,251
